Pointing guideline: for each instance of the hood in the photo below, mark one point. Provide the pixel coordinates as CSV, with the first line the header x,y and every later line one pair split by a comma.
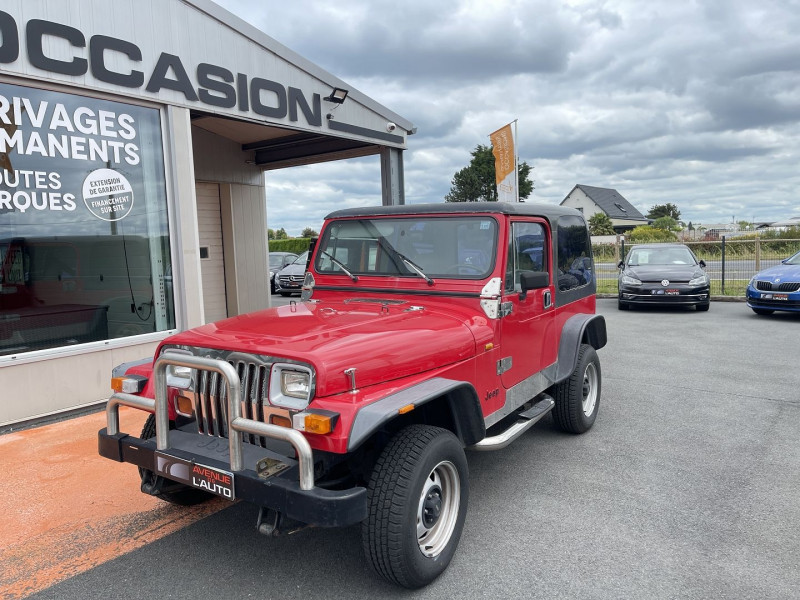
x,y
658,272
780,274
381,343
293,269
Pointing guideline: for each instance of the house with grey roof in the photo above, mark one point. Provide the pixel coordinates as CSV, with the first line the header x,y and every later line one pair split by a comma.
x,y
591,200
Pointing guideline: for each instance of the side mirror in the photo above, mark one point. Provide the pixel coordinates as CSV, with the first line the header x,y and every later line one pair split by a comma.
x,y
533,280
702,263
620,264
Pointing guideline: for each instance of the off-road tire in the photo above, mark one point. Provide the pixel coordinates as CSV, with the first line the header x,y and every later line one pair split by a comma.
x,y
186,496
418,463
578,397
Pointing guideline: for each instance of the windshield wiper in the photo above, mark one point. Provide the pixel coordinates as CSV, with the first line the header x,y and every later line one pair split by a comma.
x,y
414,267
340,265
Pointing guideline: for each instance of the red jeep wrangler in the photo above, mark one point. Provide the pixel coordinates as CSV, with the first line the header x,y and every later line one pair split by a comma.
x,y
423,330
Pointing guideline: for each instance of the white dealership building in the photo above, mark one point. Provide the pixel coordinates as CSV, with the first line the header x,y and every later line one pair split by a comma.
x,y
135,138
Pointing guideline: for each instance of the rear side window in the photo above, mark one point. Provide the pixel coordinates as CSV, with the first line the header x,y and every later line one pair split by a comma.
x,y
575,267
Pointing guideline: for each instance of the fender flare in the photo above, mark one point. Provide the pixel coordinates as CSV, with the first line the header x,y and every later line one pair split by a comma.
x,y
463,402
579,329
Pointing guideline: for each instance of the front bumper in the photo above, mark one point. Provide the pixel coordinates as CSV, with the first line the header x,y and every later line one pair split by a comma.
x,y
227,466
280,492
672,295
773,300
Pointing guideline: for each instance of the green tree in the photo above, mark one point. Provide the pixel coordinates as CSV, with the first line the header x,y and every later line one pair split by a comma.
x,y
664,210
644,234
270,234
600,224
281,234
476,182
309,233
666,223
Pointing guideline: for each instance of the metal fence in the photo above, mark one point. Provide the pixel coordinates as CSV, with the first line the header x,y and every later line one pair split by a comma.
x,y
730,263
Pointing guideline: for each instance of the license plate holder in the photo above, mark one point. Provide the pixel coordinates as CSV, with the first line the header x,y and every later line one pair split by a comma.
x,y
215,481
672,292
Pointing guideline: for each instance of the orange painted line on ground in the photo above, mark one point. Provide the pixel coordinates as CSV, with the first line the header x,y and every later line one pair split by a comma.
x,y
65,509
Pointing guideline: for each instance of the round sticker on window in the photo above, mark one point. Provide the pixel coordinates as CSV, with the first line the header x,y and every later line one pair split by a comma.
x,y
108,194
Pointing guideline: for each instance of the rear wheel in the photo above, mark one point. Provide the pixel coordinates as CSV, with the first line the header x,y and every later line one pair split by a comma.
x,y
417,503
176,493
763,311
578,397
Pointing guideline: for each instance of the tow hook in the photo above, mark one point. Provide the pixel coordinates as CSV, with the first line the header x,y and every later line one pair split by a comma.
x,y
273,523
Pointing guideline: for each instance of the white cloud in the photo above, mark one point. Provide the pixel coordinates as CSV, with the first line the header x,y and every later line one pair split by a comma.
x,y
694,103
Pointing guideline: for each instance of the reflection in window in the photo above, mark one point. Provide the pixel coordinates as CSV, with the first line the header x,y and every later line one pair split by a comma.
x,y
574,253
84,248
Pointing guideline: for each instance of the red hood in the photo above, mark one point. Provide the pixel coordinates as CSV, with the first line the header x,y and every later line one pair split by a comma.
x,y
381,343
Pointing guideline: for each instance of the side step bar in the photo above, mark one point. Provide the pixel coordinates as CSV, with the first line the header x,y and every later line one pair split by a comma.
x,y
527,419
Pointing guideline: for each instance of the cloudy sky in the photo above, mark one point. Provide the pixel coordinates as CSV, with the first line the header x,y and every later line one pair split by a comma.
x,y
691,102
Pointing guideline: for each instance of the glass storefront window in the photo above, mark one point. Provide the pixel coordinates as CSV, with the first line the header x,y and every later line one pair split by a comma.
x,y
84,244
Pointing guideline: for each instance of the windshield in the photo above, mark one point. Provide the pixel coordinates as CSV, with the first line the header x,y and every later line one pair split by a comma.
x,y
793,260
301,260
440,247
661,256
276,260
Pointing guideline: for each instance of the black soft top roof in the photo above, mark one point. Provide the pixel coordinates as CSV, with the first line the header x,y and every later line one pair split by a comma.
x,y
549,211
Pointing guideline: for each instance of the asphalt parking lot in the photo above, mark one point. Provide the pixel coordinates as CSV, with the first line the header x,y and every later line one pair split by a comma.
x,y
687,487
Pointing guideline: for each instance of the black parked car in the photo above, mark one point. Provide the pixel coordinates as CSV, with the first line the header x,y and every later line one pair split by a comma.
x,y
666,274
278,260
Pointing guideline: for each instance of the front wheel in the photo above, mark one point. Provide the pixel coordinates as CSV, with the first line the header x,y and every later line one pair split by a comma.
x,y
165,489
703,307
763,311
417,502
578,397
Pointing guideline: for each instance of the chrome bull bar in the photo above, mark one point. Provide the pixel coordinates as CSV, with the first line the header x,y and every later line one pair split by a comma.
x,y
236,423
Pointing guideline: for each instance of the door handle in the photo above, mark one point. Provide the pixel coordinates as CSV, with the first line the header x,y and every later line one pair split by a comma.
x,y
547,299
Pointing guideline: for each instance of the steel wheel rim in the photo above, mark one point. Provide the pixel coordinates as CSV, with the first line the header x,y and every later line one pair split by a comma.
x,y
442,491
589,389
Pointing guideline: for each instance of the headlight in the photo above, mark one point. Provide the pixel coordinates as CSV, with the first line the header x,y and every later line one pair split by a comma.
x,y
291,386
701,280
628,280
179,377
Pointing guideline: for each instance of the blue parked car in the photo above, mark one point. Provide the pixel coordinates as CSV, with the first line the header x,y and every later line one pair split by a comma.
x,y
776,288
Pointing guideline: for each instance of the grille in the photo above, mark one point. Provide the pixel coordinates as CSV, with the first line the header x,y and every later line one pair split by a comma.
x,y
211,403
768,286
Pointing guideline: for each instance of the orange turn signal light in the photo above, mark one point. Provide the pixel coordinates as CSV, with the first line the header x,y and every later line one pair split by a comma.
x,y
318,423
183,406
128,384
280,420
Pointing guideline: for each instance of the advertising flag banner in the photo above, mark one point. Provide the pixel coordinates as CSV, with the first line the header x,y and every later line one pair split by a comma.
x,y
505,164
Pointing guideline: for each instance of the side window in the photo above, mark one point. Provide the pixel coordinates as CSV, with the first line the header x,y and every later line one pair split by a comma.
x,y
574,254
526,252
